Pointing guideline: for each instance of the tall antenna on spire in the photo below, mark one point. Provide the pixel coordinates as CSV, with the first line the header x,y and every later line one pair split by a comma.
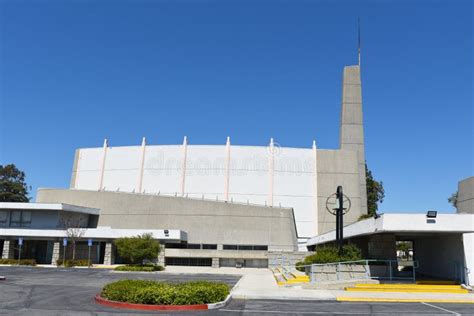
x,y
358,40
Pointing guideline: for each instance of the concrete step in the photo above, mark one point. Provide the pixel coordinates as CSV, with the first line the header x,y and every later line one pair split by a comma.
x,y
406,290
407,286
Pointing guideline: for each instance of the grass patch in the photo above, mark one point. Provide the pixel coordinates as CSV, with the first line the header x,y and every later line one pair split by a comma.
x,y
73,263
164,293
140,267
23,262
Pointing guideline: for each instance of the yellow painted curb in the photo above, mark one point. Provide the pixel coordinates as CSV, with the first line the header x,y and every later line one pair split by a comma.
x,y
402,285
401,300
407,290
411,286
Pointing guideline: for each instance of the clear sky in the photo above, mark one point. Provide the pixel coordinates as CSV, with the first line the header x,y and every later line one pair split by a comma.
x,y
76,72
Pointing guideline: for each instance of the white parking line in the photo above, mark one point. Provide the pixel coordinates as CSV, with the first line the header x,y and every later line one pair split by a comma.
x,y
305,313
443,309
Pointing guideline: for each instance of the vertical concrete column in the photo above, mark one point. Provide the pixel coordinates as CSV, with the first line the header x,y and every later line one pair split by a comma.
x,y
109,253
140,167
315,190
183,171
271,167
352,125
220,247
8,250
102,165
161,255
215,263
56,252
227,170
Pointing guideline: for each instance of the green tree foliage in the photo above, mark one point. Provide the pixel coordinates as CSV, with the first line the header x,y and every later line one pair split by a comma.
x,y
13,187
137,249
453,199
404,247
375,192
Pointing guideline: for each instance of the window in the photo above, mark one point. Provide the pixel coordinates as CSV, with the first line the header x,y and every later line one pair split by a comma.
x,y
177,261
230,247
3,217
209,246
245,247
20,219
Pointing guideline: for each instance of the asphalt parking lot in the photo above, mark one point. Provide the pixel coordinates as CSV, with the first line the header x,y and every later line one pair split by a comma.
x,y
50,291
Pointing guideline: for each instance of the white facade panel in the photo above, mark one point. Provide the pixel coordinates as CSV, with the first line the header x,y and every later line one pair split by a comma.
x,y
249,174
87,180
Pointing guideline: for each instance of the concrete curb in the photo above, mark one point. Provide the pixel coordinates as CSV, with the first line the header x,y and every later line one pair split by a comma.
x,y
122,305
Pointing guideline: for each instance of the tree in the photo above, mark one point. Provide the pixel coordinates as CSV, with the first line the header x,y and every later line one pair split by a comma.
x,y
13,187
137,249
404,248
375,192
74,231
453,199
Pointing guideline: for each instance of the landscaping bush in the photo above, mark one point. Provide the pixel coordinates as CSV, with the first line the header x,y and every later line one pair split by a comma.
x,y
329,254
73,263
299,266
161,293
140,267
23,262
137,249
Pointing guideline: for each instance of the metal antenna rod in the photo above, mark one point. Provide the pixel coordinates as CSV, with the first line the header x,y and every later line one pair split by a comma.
x,y
358,40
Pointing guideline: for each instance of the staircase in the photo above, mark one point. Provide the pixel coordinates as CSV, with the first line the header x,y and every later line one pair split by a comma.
x,y
284,276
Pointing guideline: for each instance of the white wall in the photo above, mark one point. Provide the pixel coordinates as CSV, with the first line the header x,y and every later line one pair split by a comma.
x,y
291,184
468,242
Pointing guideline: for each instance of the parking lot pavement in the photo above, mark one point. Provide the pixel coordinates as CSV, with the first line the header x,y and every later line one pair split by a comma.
x,y
46,291
69,291
278,307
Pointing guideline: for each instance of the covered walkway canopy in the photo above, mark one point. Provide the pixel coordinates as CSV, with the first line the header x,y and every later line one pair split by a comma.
x,y
442,243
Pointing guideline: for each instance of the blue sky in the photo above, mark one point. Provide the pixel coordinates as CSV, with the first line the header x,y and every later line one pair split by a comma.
x,y
76,72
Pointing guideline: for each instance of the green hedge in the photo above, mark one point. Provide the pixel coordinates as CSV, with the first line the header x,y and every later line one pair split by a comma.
x,y
73,263
329,254
140,267
161,293
23,262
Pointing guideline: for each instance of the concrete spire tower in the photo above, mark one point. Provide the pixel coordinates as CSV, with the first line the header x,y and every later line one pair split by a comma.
x,y
352,125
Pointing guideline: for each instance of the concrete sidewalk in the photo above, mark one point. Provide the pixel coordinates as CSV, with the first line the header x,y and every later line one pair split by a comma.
x,y
262,285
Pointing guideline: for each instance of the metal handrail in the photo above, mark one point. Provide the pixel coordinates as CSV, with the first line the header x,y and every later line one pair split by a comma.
x,y
366,263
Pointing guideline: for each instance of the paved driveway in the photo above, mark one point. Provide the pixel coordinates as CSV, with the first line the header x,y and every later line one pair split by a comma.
x,y
50,291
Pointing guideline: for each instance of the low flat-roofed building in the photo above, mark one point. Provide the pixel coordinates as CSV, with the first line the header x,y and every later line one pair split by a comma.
x,y
443,244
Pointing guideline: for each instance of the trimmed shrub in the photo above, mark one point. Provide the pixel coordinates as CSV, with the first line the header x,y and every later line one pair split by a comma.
x,y
73,263
140,267
23,262
162,293
329,254
299,266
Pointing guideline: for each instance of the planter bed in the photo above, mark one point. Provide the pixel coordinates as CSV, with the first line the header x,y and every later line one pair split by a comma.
x,y
153,295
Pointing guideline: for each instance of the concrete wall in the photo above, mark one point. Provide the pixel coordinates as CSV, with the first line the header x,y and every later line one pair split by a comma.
x,y
438,255
468,243
206,222
465,203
